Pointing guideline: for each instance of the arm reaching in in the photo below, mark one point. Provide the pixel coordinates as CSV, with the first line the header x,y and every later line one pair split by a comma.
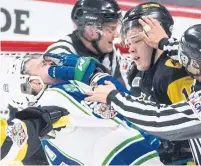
x,y
174,122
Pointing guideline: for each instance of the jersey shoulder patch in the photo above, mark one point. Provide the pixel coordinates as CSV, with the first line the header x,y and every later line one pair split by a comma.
x,y
70,88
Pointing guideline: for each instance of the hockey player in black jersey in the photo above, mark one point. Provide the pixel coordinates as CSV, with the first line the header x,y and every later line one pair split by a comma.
x,y
179,121
159,79
96,23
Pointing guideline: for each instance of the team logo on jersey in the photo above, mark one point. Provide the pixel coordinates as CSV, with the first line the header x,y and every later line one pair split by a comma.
x,y
17,132
136,82
99,109
70,88
105,111
142,97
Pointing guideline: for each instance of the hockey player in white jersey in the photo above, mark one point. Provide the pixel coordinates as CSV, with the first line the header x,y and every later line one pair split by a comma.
x,y
86,139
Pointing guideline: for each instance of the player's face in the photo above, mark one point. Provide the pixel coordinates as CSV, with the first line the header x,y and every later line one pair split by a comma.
x,y
191,65
139,51
194,68
36,87
109,33
39,67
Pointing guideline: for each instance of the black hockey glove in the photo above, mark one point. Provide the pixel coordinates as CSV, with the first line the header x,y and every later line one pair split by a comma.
x,y
47,116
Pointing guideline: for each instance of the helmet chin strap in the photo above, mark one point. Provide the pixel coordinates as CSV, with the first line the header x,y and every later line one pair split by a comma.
x,y
95,43
193,75
38,96
152,58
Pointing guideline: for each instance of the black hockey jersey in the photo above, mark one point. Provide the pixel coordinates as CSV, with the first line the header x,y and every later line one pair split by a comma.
x,y
166,82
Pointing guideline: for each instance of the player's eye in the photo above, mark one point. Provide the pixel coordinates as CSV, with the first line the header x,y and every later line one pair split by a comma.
x,y
48,62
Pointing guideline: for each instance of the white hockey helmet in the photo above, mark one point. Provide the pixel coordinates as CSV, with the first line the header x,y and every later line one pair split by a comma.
x,y
18,85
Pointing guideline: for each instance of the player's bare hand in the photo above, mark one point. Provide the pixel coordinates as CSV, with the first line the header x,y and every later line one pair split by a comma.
x,y
153,31
101,92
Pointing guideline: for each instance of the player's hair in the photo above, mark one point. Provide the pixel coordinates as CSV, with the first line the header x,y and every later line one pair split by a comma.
x,y
29,57
25,69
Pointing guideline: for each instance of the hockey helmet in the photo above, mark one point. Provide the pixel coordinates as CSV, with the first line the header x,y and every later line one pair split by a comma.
x,y
153,9
95,12
190,50
18,85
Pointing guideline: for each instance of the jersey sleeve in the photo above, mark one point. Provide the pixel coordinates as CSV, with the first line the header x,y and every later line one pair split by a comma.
x,y
174,122
175,83
170,46
64,45
180,89
181,85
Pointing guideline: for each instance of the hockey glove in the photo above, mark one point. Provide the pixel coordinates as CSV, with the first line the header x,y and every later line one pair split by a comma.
x,y
100,78
47,116
73,67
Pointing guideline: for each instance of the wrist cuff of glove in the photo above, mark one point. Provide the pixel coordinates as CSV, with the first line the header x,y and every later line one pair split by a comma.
x,y
163,42
55,113
111,96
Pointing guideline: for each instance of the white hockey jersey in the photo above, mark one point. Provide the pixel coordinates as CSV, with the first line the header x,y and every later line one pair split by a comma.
x,y
89,140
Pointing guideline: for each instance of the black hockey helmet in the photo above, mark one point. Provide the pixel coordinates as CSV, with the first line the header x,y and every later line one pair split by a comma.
x,y
190,49
93,14
98,11
152,9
